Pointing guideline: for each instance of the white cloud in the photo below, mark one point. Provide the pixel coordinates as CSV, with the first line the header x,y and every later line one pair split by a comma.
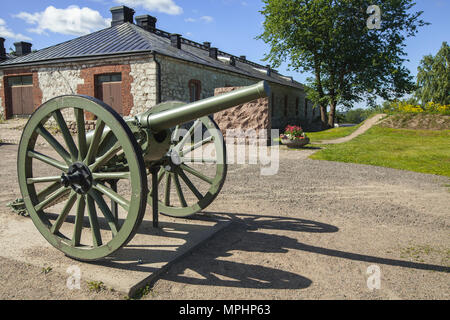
x,y
70,21
190,20
164,6
207,19
7,33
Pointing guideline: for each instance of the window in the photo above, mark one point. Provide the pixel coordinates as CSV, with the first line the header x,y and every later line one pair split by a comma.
x,y
20,81
285,106
306,108
115,77
195,88
297,106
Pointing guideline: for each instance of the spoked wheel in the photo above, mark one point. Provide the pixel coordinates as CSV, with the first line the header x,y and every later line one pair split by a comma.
x,y
195,170
67,182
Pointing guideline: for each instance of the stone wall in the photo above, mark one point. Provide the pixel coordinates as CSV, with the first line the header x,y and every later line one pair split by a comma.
x,y
2,106
294,114
253,115
144,88
138,81
176,74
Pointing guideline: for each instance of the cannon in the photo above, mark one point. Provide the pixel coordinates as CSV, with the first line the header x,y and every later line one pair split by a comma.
x,y
86,191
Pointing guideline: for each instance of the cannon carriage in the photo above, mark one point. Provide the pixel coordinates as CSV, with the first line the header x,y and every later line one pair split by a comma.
x,y
65,184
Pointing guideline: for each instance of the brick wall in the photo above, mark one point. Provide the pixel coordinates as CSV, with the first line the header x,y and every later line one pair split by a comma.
x,y
4,97
88,87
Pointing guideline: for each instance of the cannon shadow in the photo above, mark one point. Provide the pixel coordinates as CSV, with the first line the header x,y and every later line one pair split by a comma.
x,y
208,265
210,269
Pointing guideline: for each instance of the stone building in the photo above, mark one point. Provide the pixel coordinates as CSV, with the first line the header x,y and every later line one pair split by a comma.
x,y
133,65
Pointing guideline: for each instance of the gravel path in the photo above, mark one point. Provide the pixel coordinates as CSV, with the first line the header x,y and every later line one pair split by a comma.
x,y
369,123
315,230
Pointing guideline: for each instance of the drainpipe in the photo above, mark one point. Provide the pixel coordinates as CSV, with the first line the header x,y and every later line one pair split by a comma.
x,y
158,79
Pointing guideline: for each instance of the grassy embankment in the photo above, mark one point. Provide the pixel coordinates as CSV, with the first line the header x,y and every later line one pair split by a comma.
x,y
425,151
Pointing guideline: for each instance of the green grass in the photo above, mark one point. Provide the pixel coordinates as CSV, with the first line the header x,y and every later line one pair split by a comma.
x,y
423,151
333,133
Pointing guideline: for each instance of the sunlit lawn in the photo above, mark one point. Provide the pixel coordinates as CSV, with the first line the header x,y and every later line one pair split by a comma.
x,y
423,151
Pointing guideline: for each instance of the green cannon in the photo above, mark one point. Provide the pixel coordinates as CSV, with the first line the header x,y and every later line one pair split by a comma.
x,y
86,189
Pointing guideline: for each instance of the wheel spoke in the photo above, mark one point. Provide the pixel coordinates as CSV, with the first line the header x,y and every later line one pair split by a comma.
x,y
47,160
195,146
105,210
179,190
51,198
48,191
190,184
100,125
78,227
65,212
66,134
106,157
167,189
198,160
196,173
93,221
188,134
81,133
54,143
43,179
175,134
125,204
111,175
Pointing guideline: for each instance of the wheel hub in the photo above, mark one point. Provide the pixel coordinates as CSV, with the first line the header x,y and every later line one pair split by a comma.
x,y
78,177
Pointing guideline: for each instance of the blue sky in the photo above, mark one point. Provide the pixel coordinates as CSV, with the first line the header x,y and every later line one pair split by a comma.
x,y
231,25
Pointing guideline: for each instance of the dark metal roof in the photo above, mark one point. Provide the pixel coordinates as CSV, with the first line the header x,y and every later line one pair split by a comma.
x,y
128,38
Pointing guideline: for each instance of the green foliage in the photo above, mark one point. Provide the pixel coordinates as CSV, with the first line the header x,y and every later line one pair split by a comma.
x,y
46,270
433,77
96,286
426,151
331,40
410,106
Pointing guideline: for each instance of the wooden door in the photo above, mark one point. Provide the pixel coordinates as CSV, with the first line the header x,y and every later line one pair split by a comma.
x,y
20,90
109,90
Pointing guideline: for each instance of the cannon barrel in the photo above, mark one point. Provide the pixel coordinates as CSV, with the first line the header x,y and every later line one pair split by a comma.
x,y
170,118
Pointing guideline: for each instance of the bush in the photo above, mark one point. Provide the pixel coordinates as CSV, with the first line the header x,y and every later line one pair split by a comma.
x,y
408,107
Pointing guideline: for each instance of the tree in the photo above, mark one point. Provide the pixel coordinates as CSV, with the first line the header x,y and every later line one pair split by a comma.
x,y
433,77
332,40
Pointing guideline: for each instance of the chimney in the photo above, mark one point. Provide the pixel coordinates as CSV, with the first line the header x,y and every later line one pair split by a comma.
x,y
207,44
175,40
121,15
2,49
243,58
22,48
232,61
268,70
213,53
146,22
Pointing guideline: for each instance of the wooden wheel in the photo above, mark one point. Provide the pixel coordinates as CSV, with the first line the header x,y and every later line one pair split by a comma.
x,y
66,181
191,180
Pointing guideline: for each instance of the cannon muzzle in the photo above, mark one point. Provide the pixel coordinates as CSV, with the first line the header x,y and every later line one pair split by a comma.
x,y
170,118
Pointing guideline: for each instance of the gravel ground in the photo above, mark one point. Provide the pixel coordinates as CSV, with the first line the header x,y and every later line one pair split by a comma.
x,y
312,231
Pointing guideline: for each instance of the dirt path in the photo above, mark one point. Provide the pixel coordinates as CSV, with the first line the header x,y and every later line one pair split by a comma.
x,y
366,126
315,230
